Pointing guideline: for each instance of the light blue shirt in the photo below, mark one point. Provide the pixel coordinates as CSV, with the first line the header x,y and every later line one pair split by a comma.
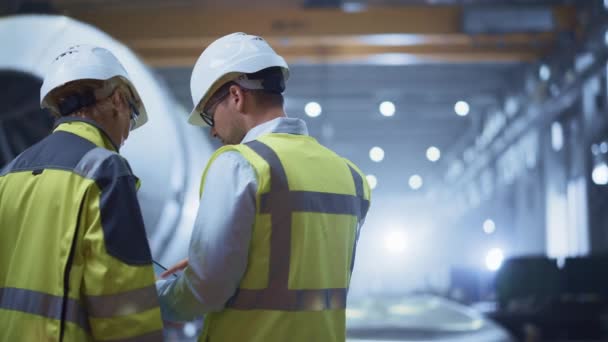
x,y
221,235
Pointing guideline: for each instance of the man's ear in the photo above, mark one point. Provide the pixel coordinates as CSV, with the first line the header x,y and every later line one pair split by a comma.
x,y
117,98
117,102
238,96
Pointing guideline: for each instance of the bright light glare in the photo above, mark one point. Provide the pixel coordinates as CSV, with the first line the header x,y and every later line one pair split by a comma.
x,y
313,109
557,136
433,154
189,329
415,182
387,108
489,226
599,175
372,181
494,259
544,72
461,108
376,154
395,242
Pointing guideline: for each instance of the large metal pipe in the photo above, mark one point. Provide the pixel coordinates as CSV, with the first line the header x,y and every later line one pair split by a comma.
x,y
167,154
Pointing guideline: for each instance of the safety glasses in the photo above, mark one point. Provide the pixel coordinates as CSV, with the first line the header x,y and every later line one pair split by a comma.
x,y
208,113
134,114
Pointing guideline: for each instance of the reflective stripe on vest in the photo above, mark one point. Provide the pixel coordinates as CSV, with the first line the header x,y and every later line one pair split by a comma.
x,y
122,304
105,306
280,203
43,304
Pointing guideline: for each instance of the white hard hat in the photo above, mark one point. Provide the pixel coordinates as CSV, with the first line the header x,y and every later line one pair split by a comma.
x,y
226,59
81,62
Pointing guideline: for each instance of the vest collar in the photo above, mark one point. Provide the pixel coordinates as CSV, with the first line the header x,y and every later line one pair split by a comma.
x,y
278,125
87,129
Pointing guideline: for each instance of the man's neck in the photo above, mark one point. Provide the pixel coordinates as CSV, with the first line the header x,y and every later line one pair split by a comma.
x,y
269,115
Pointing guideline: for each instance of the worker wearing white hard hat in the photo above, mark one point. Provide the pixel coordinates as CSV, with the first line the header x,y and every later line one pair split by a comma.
x,y
274,239
79,266
230,58
82,80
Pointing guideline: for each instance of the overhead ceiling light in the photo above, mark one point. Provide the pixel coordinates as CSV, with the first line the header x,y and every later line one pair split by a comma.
x,y
494,259
376,154
433,153
461,108
489,226
599,175
557,136
415,182
387,108
372,181
313,109
544,72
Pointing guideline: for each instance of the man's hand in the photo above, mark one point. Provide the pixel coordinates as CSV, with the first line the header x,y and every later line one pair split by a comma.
x,y
177,267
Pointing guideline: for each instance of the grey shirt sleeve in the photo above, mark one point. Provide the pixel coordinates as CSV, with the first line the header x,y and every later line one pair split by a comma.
x,y
219,245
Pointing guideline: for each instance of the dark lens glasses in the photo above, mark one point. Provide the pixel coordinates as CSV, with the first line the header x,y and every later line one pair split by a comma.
x,y
208,113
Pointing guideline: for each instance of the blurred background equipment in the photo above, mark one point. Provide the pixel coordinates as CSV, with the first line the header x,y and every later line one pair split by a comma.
x,y
482,127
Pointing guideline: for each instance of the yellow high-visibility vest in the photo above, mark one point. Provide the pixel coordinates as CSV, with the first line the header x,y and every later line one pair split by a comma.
x,y
309,206
75,264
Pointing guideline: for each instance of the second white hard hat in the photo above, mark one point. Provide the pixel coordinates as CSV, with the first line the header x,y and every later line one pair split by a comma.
x,y
82,62
226,59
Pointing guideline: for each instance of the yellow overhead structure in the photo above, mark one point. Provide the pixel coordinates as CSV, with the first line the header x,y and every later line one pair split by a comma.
x,y
175,35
